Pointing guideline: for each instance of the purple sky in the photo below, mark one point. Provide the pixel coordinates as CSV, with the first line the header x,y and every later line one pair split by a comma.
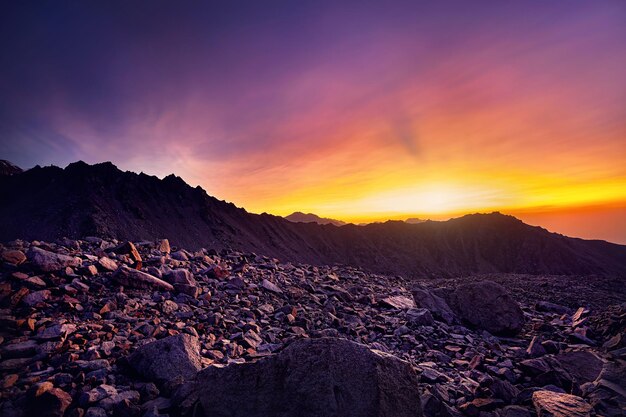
x,y
266,103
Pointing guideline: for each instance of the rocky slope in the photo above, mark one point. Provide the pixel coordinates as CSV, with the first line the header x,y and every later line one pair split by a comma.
x,y
100,200
98,327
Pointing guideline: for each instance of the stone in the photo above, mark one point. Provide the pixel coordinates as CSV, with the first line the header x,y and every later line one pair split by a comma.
x,y
168,359
137,279
47,401
424,298
164,246
180,276
107,264
488,306
96,394
582,365
419,317
311,377
15,257
400,302
128,248
57,331
49,261
554,404
268,285
36,297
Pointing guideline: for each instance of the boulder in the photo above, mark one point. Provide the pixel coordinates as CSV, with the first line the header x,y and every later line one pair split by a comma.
x,y
168,360
555,404
311,377
138,279
14,257
488,306
438,307
49,261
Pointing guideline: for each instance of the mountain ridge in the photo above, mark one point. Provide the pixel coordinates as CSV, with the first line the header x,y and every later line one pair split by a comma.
x,y
50,202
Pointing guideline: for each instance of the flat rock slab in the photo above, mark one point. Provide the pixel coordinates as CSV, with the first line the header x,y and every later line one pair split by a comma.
x,y
310,378
399,302
138,279
49,261
554,404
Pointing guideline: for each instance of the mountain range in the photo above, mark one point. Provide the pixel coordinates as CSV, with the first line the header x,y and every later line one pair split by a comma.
x,y
100,200
299,217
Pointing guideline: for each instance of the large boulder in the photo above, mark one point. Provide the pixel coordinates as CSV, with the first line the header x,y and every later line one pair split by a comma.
x,y
49,261
436,305
488,306
168,361
310,378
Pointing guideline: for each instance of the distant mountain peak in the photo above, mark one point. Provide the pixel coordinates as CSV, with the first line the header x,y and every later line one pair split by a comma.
x,y
300,217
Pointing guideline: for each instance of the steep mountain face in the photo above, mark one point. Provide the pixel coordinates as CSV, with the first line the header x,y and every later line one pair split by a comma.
x,y
82,200
7,168
299,217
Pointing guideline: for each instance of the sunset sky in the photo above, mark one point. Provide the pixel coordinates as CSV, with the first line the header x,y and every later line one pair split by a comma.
x,y
359,111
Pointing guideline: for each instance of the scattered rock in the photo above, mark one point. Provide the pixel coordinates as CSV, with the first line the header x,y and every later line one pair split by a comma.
x,y
49,261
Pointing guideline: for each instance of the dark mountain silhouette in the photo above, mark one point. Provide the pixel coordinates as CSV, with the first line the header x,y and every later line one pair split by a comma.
x,y
7,168
82,200
299,217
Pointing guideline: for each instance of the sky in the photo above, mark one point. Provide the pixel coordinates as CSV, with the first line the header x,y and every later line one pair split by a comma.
x,y
361,111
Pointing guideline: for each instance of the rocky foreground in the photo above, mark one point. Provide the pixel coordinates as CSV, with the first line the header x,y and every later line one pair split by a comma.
x,y
96,327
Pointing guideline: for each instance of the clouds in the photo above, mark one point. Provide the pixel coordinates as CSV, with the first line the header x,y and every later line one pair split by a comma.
x,y
318,104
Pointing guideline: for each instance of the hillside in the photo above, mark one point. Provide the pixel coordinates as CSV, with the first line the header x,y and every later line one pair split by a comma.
x,y
81,200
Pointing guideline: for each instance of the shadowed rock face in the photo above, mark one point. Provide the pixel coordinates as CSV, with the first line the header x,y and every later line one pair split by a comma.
x,y
100,200
321,377
487,305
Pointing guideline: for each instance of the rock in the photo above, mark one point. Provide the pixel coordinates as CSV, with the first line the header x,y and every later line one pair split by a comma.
x,y
14,257
180,276
36,297
180,255
487,305
552,307
311,377
57,331
128,248
169,359
271,286
400,302
164,246
49,261
514,411
437,305
47,401
99,393
419,317
583,366
138,279
554,404
107,264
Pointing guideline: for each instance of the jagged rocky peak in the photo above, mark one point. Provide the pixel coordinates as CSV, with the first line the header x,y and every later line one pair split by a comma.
x,y
300,217
8,168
